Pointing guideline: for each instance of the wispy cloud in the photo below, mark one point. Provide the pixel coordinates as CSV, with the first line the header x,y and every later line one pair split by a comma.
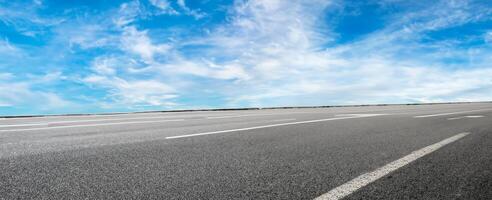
x,y
488,37
276,49
197,14
20,95
7,49
137,42
165,6
135,93
127,13
177,7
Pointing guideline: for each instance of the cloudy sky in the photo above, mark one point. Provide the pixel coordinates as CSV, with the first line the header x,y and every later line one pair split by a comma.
x,y
112,56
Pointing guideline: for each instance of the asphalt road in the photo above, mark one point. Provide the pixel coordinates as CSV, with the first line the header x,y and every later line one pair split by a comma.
x,y
439,151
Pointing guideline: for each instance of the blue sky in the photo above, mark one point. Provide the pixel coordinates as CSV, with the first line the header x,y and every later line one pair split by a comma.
x,y
114,56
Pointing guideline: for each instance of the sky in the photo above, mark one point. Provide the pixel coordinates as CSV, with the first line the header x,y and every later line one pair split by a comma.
x,y
97,56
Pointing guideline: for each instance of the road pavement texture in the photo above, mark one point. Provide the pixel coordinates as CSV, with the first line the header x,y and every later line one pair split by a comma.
x,y
441,151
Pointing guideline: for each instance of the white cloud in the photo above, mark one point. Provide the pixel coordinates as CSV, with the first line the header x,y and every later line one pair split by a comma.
x,y
134,93
8,49
22,16
104,66
87,36
127,13
182,3
272,53
20,94
84,34
136,41
203,68
164,6
6,76
139,43
167,8
195,13
38,2
128,91
279,43
488,37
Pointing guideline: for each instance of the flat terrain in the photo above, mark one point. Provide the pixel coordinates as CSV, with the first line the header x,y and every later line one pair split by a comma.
x,y
441,151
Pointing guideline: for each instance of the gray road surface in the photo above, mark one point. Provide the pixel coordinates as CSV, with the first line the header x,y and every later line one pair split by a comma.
x,y
439,151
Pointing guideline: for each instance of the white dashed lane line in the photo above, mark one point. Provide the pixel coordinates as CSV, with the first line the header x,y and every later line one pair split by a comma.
x,y
274,125
367,178
463,117
450,113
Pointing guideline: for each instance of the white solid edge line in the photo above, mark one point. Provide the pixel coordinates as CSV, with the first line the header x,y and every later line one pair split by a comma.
x,y
281,120
79,121
367,178
252,115
100,120
79,116
17,125
130,118
451,113
89,125
271,125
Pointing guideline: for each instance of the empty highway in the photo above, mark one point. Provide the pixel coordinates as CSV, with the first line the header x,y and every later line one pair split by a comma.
x,y
440,151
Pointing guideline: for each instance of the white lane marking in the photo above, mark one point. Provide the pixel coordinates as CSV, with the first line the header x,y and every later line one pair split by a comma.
x,y
230,116
474,116
249,115
367,178
281,120
129,118
65,116
469,116
271,125
99,120
89,125
115,115
351,114
17,125
79,121
451,113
